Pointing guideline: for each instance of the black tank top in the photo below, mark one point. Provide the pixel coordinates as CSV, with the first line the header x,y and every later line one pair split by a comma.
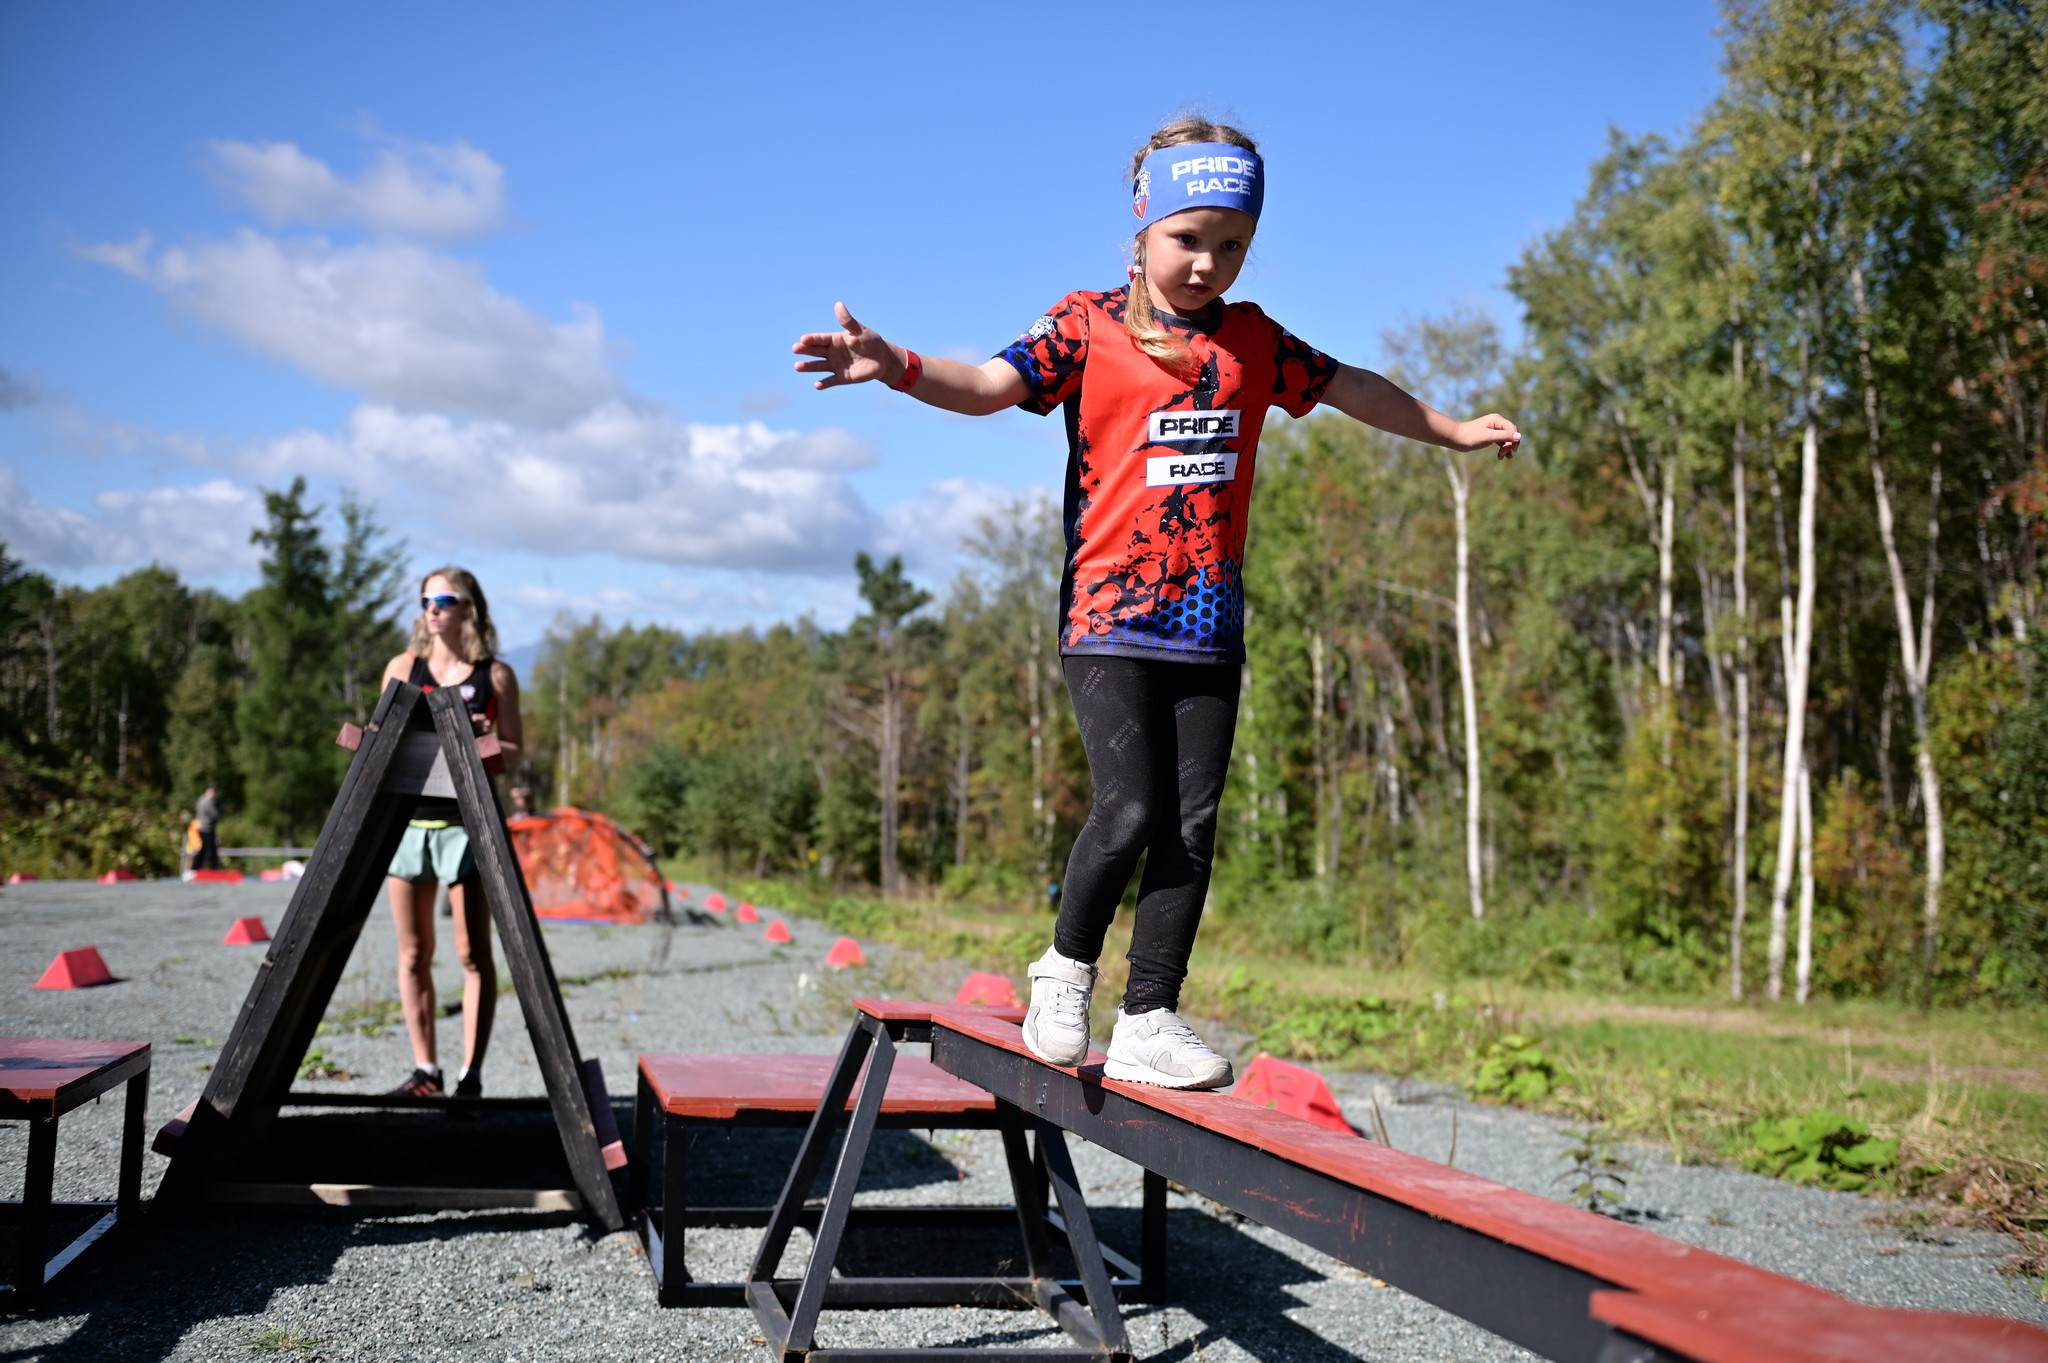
x,y
479,697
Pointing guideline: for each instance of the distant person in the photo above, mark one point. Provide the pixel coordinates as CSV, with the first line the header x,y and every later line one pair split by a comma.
x,y
207,816
453,643
1165,388
522,801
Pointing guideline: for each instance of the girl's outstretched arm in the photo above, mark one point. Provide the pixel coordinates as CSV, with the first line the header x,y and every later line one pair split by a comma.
x,y
856,354
1364,396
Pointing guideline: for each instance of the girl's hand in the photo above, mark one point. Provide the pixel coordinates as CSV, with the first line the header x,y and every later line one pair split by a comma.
x,y
1491,429
853,354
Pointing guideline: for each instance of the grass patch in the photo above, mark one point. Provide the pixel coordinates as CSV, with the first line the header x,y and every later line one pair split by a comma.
x,y
283,1341
1963,1092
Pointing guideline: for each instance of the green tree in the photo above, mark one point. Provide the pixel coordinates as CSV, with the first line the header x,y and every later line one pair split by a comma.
x,y
283,718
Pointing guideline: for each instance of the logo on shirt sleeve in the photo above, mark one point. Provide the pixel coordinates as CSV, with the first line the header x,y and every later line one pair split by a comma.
x,y
1043,327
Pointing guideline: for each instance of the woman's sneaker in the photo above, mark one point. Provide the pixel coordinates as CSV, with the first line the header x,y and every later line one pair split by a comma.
x,y
1056,1027
1158,1048
423,1084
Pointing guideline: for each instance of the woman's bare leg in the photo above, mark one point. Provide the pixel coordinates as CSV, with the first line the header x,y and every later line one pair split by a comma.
x,y
412,913
472,915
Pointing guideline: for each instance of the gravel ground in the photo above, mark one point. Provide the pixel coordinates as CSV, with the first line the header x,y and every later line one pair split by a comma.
x,y
514,1286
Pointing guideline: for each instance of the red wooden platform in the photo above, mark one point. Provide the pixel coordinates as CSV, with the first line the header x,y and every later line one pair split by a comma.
x,y
41,1079
46,1077
1291,1174
736,1088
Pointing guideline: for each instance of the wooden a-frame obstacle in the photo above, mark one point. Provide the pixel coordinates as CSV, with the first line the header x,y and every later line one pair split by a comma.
x,y
417,745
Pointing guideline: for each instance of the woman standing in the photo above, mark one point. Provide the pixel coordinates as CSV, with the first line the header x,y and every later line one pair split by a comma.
x,y
453,643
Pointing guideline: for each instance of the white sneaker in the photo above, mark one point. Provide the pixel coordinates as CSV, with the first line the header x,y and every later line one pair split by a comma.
x,y
1056,1027
1158,1048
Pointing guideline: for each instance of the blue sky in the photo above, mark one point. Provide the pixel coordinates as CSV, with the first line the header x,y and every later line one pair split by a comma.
x,y
526,277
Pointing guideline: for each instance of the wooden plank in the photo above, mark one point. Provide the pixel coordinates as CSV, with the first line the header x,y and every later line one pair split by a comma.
x,y
1746,1330
526,960
297,977
398,1195
417,745
419,767
724,1087
1600,1246
48,1076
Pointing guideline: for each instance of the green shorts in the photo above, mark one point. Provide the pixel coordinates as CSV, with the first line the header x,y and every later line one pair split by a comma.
x,y
434,853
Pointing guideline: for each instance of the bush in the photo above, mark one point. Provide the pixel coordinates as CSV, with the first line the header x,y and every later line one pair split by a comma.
x,y
1514,1070
77,823
1820,1147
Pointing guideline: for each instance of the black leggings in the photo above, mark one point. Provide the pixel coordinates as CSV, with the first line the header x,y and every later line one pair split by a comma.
x,y
1158,740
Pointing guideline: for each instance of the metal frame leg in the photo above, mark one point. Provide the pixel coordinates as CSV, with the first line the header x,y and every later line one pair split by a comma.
x,y
674,1273
134,1118
788,1311
1152,1242
32,1250
809,1157
1066,1188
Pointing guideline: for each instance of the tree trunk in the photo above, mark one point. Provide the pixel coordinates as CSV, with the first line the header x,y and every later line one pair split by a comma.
x,y
1461,494
1318,691
1914,649
1799,652
1805,966
53,713
963,773
1666,514
891,758
1034,692
1740,870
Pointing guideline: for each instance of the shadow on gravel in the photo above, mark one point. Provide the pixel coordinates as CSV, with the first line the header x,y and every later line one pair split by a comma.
x,y
147,1290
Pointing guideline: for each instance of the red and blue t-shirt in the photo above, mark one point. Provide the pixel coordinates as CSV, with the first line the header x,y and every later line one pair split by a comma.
x,y
1159,468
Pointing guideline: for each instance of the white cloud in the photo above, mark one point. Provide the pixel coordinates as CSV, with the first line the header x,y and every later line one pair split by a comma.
x,y
626,479
399,323
928,528
46,536
130,257
412,188
200,531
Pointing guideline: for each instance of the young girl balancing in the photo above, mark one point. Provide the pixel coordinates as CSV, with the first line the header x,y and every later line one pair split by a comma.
x,y
1164,388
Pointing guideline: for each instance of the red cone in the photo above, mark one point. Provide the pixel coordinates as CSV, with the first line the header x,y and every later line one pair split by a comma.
x,y
246,932
778,932
78,968
990,989
747,913
117,875
715,902
1292,1089
845,952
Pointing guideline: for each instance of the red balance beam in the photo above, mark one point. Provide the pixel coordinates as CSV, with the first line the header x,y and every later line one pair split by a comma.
x,y
1557,1279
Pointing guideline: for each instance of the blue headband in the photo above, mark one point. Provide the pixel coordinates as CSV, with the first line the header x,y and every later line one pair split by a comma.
x,y
1198,175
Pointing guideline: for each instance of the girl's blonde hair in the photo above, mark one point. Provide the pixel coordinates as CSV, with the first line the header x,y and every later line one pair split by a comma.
x,y
1139,319
478,637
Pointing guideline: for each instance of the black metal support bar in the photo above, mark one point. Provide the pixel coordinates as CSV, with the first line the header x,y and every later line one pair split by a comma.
x,y
788,1311
853,1153
134,1117
1524,1297
32,1244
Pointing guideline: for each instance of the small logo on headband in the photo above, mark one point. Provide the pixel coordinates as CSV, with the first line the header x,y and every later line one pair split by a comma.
x,y
1141,191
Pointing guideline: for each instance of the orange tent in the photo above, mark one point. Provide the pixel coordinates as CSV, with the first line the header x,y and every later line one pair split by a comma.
x,y
584,866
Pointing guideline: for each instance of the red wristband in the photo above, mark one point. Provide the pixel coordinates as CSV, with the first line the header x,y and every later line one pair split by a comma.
x,y
913,370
